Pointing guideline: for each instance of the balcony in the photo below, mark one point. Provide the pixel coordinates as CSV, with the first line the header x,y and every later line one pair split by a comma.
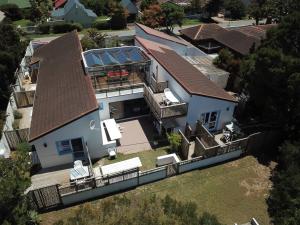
x,y
158,86
159,109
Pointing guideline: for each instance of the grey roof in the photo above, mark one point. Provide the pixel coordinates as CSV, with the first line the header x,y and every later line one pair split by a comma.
x,y
130,6
61,12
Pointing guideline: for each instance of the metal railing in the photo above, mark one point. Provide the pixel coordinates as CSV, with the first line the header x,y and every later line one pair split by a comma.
x,y
161,111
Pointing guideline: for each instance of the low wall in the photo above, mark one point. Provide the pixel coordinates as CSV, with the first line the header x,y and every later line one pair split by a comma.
x,y
99,191
148,177
188,165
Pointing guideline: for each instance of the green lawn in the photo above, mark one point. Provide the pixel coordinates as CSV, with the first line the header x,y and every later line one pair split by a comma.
x,y
22,23
234,191
191,21
148,158
20,3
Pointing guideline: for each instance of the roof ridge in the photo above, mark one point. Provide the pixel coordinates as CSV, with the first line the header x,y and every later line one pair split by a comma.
x,y
201,27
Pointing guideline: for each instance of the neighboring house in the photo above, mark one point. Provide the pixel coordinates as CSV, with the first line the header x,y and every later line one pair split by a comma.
x,y
59,3
74,11
21,3
211,37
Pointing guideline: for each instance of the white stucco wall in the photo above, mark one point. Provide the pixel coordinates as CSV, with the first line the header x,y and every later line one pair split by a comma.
x,y
201,104
49,156
104,113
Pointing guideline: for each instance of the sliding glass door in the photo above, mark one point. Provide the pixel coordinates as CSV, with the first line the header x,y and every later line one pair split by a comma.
x,y
210,120
78,149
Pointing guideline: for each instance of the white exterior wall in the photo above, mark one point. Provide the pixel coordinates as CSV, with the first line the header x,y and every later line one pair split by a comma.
x,y
49,156
104,113
201,104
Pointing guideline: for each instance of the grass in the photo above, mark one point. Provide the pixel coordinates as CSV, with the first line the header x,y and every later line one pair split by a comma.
x,y
22,23
20,3
187,21
234,192
148,158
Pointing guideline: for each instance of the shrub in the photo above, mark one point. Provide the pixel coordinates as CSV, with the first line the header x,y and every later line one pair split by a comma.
x,y
16,124
17,114
44,28
66,27
175,140
101,25
12,11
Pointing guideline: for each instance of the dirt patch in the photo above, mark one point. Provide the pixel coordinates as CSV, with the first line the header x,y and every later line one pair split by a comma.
x,y
235,163
259,185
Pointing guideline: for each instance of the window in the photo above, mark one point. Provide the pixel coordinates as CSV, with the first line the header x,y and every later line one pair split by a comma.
x,y
64,147
101,106
209,120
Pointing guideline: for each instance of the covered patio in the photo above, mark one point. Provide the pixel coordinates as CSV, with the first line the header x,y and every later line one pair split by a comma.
x,y
137,135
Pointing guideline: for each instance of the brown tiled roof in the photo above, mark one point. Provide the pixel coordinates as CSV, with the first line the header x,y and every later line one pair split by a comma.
x,y
64,93
162,35
237,41
202,31
191,79
254,31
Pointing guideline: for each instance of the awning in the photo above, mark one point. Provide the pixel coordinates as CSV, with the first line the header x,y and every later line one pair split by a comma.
x,y
121,166
112,129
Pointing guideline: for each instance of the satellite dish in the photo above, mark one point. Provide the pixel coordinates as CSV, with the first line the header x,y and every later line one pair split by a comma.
x,y
92,124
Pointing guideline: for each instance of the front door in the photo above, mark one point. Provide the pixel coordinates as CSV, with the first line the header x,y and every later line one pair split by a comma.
x,y
78,149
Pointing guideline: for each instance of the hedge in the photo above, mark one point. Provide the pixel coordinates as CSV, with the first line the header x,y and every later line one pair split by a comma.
x,y
44,28
66,27
101,25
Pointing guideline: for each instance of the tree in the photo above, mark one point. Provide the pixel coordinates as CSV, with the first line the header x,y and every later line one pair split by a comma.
x,y
147,3
139,209
93,39
152,16
227,61
40,10
256,9
12,11
96,5
212,7
118,15
235,8
14,180
172,14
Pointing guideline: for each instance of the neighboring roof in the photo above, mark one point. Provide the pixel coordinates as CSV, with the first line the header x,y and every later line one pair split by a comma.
x,y
64,93
162,35
237,41
254,31
202,31
205,64
20,3
59,3
190,78
114,56
129,6
62,12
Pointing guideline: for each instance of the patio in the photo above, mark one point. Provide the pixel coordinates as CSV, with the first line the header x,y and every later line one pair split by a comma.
x,y
137,135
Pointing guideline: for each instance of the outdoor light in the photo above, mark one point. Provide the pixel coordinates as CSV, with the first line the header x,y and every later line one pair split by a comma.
x,y
45,145
93,125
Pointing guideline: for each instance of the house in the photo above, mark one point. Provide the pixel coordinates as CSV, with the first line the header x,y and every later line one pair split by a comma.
x,y
80,96
187,50
211,37
198,98
74,12
59,3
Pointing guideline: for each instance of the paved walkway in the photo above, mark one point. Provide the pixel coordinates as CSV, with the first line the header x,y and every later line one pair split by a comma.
x,y
234,23
136,135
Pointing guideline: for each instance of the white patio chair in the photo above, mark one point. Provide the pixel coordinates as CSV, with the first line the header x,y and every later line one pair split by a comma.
x,y
78,163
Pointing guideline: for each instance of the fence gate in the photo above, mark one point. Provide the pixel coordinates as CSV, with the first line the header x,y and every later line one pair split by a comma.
x,y
171,170
15,137
45,198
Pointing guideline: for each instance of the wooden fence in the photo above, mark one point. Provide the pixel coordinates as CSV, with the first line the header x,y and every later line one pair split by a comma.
x,y
15,137
185,146
24,98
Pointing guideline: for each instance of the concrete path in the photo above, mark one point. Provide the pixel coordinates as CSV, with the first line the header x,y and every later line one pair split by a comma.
x,y
236,23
